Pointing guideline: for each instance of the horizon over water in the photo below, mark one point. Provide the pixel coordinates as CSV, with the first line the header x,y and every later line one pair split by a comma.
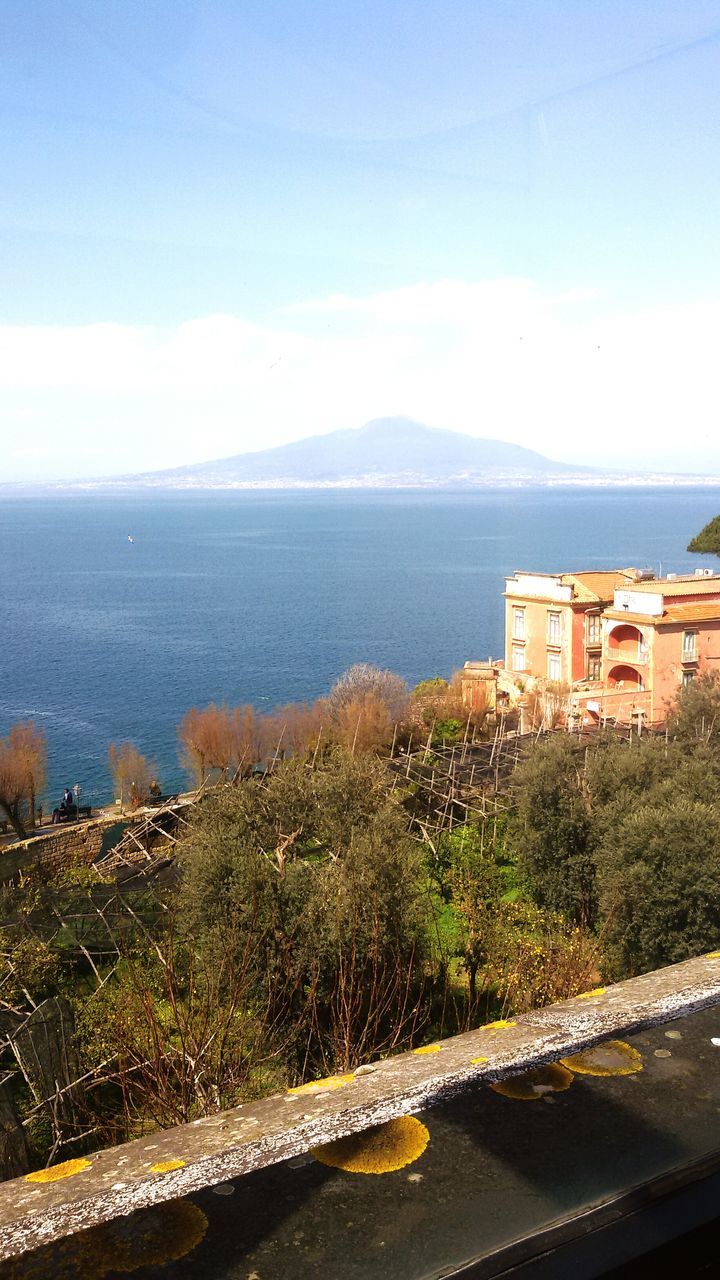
x,y
267,596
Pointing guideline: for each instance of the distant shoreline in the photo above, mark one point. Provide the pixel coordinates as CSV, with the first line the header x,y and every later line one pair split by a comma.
x,y
133,488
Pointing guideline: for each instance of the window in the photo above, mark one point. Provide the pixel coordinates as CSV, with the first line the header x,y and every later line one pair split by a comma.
x,y
594,671
689,651
687,678
518,623
554,628
594,628
554,669
518,657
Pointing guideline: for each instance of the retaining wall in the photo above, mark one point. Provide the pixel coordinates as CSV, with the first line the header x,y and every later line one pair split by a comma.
x,y
79,842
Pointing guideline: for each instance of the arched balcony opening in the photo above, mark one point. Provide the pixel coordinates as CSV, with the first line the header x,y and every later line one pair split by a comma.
x,y
625,677
626,641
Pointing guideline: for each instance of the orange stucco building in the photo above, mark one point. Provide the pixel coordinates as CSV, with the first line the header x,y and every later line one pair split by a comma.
x,y
621,641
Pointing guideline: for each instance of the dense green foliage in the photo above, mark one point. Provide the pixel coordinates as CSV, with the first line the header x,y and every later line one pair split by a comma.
x,y
708,539
625,839
314,885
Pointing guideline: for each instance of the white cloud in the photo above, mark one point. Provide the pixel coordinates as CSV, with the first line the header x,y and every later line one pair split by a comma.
x,y
565,373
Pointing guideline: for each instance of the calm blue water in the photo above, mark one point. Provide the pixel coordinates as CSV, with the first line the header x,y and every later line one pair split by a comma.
x,y
268,597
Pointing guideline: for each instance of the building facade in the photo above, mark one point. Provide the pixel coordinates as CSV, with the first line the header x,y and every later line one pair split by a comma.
x,y
621,643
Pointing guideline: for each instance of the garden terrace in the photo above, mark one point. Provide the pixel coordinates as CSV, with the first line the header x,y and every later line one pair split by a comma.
x,y
466,782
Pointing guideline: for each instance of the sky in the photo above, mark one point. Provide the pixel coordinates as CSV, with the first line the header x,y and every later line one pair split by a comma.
x,y
227,225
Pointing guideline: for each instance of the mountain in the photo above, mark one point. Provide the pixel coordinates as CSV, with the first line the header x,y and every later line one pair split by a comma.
x,y
385,453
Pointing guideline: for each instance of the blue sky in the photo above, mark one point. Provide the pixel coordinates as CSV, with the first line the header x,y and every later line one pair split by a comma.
x,y
225,225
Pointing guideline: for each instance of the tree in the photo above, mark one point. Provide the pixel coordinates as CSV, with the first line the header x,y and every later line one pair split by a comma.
x,y
223,741
22,774
472,877
363,723
132,773
206,740
551,829
297,728
362,680
659,885
314,878
708,539
695,714
250,738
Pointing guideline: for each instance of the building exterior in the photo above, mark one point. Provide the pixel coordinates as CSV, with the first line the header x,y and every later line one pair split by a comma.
x,y
620,643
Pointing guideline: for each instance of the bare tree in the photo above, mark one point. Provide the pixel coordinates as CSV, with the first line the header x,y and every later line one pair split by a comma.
x,y
363,679
132,773
206,740
297,728
253,739
363,724
222,740
22,774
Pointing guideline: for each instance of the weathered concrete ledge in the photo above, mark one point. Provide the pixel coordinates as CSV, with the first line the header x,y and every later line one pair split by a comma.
x,y
121,1179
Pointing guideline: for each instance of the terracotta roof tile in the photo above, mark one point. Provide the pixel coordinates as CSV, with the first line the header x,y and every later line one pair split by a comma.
x,y
693,611
694,586
595,585
624,615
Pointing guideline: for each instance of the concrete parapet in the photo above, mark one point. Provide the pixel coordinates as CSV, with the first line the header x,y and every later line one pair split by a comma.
x,y
176,1162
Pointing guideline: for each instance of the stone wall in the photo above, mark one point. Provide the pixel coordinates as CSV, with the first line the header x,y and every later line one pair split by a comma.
x,y
79,842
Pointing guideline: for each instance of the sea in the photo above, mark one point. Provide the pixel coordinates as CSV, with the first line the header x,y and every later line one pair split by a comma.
x,y
121,612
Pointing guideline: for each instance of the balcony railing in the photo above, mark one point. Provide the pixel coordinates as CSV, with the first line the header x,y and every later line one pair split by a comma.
x,y
637,657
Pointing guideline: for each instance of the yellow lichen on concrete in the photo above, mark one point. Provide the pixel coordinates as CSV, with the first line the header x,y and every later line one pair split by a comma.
x,y
475,1062
382,1149
713,955
613,1058
57,1172
147,1238
427,1048
591,995
534,1084
501,1025
327,1083
167,1166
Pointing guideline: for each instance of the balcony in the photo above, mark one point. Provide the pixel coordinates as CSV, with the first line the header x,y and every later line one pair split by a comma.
x,y
623,676
627,644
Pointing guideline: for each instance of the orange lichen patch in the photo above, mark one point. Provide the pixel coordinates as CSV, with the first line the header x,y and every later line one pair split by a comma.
x,y
167,1166
613,1058
382,1149
534,1084
316,1086
57,1172
475,1062
427,1048
147,1238
501,1025
590,995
